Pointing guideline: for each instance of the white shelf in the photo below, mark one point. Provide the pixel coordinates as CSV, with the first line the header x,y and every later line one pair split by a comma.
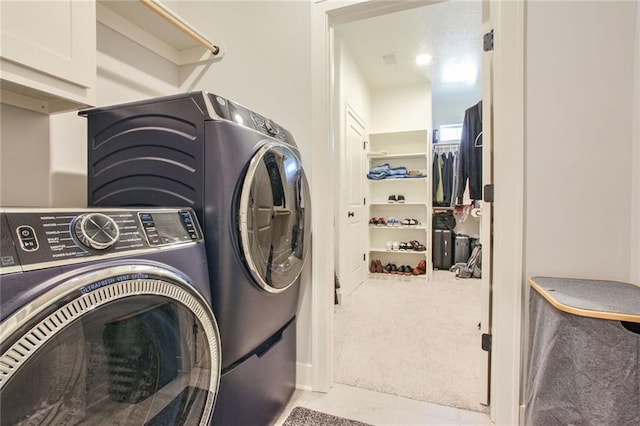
x,y
384,250
406,203
419,179
403,227
155,27
398,156
387,275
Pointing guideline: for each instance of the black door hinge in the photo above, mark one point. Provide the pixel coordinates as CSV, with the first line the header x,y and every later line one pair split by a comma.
x,y
488,193
486,342
364,145
364,256
364,201
488,41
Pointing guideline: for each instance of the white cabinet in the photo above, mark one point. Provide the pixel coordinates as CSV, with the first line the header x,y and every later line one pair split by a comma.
x,y
48,54
407,156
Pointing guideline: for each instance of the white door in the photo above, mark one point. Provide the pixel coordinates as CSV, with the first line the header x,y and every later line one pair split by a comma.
x,y
352,219
486,223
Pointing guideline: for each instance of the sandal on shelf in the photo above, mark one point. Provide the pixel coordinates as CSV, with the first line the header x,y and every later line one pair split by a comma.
x,y
373,221
415,245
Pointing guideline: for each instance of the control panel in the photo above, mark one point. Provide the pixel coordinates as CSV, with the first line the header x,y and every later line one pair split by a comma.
x,y
36,238
238,114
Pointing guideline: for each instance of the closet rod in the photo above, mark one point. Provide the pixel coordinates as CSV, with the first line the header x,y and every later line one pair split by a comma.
x,y
181,25
437,144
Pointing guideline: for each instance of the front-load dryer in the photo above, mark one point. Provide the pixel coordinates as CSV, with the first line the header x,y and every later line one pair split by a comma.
x,y
242,174
105,318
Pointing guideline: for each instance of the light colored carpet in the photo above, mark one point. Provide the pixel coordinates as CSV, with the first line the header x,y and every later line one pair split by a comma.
x,y
415,339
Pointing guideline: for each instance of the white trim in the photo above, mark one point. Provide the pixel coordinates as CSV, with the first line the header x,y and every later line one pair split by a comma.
x,y
635,165
508,169
304,376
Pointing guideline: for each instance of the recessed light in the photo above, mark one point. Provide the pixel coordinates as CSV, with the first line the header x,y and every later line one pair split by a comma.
x,y
423,59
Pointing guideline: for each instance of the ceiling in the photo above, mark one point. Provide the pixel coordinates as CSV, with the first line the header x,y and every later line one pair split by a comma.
x,y
451,32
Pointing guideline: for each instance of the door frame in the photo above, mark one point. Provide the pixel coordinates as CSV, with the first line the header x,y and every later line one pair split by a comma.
x,y
508,280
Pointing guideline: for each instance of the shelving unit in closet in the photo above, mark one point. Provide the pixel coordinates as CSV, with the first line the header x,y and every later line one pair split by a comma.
x,y
395,224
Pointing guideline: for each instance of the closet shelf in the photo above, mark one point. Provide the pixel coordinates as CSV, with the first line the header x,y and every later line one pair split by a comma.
x,y
154,26
384,250
391,228
419,179
398,156
407,203
383,275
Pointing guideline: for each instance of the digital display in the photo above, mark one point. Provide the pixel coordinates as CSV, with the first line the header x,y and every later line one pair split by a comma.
x,y
170,227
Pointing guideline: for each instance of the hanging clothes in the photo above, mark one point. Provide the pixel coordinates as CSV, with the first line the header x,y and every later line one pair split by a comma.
x,y
447,177
440,188
470,163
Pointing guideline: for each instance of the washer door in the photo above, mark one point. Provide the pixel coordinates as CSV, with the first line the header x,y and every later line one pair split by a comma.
x,y
275,217
132,345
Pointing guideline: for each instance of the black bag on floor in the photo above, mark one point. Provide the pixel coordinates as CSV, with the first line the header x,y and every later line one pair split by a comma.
x,y
442,249
444,220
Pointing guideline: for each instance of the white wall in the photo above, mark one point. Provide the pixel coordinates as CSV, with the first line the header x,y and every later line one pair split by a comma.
x,y
24,158
401,108
579,71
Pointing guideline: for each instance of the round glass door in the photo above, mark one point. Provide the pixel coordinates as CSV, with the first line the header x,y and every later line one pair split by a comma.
x,y
139,352
275,217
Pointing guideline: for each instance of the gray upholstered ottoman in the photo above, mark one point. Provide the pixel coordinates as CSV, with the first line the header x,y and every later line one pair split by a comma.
x,y
584,353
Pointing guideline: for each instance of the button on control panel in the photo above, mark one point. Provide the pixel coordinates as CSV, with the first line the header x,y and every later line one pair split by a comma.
x,y
27,237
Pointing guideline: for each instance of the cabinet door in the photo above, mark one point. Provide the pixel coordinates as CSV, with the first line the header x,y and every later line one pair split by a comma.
x,y
49,47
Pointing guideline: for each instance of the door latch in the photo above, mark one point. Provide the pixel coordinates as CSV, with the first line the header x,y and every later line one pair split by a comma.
x,y
350,214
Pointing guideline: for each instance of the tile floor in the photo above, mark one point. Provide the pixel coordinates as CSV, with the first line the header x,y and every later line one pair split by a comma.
x,y
381,409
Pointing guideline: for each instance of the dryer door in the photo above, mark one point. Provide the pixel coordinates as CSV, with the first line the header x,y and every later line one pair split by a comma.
x,y
133,345
275,217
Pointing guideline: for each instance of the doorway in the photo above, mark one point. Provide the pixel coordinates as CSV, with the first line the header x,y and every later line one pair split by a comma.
x,y
369,89
508,20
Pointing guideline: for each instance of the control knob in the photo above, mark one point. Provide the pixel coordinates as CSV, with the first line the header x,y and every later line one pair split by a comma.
x,y
96,231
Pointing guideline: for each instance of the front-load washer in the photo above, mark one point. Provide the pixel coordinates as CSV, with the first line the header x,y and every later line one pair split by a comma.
x,y
242,174
105,318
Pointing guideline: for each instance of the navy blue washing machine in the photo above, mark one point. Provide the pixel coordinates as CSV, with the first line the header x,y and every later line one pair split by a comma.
x,y
105,318
242,174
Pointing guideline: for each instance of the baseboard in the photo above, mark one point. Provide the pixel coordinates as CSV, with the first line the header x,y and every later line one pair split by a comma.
x,y
304,376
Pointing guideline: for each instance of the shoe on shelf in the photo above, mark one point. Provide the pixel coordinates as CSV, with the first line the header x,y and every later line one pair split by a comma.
x,y
393,269
387,268
400,198
403,246
373,221
381,221
406,222
392,199
372,266
390,221
422,265
396,245
417,271
413,222
396,221
389,245
379,267
415,245
407,270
